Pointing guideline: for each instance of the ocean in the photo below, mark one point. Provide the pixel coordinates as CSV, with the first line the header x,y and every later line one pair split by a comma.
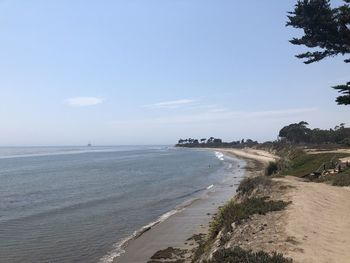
x,y
81,204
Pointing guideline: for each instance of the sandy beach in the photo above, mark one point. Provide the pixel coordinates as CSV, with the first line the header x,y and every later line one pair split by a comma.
x,y
313,228
260,156
193,220
176,230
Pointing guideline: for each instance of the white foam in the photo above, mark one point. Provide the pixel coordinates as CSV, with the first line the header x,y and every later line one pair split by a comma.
x,y
219,155
119,248
210,187
57,153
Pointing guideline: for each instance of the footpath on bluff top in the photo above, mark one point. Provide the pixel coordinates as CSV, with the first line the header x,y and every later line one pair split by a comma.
x,y
317,222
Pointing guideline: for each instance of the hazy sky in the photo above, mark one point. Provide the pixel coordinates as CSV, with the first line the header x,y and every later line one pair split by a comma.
x,y
152,71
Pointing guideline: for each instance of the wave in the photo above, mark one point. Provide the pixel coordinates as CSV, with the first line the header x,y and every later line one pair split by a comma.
x,y
119,248
219,155
9,153
57,153
210,187
56,210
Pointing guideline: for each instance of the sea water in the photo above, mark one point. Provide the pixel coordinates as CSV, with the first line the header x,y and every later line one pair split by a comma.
x,y
81,204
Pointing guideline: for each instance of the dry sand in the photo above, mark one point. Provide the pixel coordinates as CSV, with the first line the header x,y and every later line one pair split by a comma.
x,y
318,222
315,227
252,154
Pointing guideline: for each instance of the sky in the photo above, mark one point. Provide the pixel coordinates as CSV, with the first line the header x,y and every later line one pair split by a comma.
x,y
153,71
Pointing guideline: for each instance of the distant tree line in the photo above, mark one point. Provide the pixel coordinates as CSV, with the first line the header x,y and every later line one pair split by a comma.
x,y
299,133
292,134
215,142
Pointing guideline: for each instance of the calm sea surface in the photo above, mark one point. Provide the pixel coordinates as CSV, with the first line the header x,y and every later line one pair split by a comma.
x,y
76,204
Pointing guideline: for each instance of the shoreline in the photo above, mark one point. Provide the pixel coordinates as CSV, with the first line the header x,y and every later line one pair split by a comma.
x,y
310,225
192,220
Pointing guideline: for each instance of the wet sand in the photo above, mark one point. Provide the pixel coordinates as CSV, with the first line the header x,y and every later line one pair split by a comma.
x,y
194,219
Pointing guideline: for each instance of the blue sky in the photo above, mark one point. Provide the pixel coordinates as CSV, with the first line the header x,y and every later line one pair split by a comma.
x,y
152,71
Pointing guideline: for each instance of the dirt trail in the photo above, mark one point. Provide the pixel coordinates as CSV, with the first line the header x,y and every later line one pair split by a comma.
x,y
315,151
345,159
316,225
318,222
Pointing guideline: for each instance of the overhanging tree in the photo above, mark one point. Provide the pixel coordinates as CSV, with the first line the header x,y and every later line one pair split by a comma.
x,y
326,34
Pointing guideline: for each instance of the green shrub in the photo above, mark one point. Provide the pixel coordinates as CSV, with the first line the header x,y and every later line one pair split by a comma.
x,y
239,255
341,179
346,142
249,184
234,212
304,164
271,168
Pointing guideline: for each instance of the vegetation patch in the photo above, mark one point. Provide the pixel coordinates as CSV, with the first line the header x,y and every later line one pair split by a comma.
x,y
340,179
271,169
304,164
247,185
239,255
346,141
234,212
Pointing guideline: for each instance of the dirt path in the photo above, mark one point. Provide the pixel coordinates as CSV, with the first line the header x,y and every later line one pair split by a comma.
x,y
315,151
318,222
345,159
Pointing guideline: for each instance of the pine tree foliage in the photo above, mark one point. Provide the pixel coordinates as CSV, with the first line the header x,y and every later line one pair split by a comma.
x,y
326,34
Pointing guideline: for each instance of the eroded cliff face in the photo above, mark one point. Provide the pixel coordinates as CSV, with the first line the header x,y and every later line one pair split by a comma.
x,y
252,222
261,203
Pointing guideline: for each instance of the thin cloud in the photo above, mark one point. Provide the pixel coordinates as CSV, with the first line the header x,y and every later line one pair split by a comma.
x,y
222,115
282,112
171,104
83,101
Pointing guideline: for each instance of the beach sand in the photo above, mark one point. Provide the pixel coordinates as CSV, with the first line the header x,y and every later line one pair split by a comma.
x,y
177,229
174,231
259,156
194,219
315,227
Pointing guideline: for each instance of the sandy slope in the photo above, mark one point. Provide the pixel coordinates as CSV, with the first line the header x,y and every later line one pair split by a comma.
x,y
318,222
